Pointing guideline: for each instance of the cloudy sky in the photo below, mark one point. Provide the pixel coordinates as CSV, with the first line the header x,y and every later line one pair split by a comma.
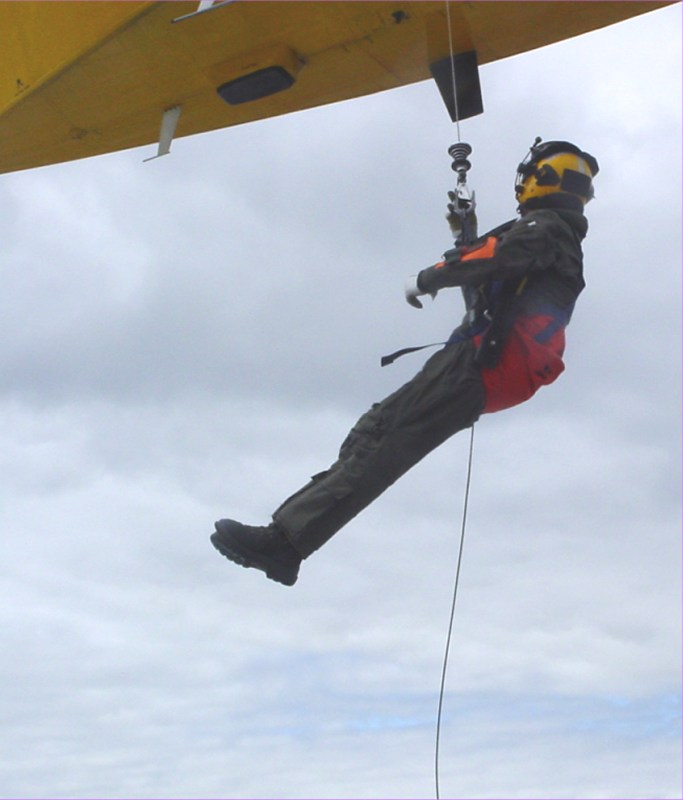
x,y
192,338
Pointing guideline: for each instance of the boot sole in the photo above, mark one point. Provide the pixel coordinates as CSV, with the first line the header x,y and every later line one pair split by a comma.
x,y
242,556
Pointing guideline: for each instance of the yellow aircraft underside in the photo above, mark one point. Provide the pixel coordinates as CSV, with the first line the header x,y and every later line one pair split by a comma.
x,y
83,78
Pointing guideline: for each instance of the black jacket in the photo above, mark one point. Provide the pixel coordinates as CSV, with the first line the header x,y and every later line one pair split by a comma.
x,y
519,269
543,247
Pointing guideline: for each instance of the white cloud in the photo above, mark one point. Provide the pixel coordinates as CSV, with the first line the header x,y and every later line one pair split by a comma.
x,y
192,338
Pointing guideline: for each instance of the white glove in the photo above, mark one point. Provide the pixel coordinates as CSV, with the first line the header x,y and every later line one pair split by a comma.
x,y
413,291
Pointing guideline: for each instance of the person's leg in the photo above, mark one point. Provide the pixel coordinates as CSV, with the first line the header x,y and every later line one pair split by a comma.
x,y
446,396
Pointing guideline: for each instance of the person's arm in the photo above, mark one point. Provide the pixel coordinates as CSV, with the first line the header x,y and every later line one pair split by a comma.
x,y
529,245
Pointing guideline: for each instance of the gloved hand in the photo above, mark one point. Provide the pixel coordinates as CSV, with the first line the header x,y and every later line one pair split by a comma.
x,y
413,291
458,209
452,217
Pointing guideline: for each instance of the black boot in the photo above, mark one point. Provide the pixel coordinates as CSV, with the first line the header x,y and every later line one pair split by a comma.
x,y
264,548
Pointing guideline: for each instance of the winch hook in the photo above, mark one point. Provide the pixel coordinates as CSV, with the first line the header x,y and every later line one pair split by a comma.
x,y
461,208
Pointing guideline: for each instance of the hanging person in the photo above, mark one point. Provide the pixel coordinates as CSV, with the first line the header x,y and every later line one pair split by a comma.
x,y
519,282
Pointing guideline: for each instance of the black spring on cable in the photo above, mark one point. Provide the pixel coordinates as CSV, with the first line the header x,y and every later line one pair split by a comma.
x,y
459,152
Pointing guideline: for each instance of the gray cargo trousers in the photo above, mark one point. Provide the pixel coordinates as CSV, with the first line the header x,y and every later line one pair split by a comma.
x,y
446,396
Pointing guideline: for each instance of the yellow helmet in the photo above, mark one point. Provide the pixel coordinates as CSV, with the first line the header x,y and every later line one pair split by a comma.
x,y
554,168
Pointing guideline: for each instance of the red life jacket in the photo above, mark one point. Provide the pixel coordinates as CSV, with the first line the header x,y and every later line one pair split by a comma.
x,y
530,358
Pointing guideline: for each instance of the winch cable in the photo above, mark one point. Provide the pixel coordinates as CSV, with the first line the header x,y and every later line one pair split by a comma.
x,y
452,55
444,669
462,204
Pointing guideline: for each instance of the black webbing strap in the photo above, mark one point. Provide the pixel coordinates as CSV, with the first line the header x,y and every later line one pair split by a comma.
x,y
385,360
